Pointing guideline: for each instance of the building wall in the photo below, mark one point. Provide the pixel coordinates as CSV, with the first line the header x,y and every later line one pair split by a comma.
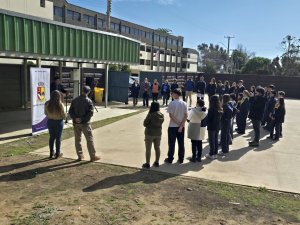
x,y
29,7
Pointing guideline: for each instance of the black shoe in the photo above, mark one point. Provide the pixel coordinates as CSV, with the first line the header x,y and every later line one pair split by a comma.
x,y
167,160
199,159
276,139
59,155
193,159
51,155
180,161
270,137
156,164
146,166
241,132
253,144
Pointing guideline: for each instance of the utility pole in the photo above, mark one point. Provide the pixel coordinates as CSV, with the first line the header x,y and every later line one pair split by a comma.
x,y
108,11
228,49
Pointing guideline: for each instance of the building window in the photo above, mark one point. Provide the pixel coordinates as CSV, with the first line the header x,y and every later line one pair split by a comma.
x,y
189,56
58,11
162,39
148,49
89,19
183,65
169,41
156,37
101,23
142,62
125,29
114,26
73,15
148,35
142,48
174,42
180,43
188,65
148,62
43,3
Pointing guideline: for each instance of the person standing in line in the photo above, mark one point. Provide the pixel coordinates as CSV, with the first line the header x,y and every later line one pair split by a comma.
x,y
165,92
135,92
81,112
256,114
196,129
220,89
211,87
201,87
277,119
56,85
233,88
153,125
242,114
281,94
54,110
174,86
155,89
226,124
189,88
178,111
241,87
183,92
269,109
226,87
146,90
213,125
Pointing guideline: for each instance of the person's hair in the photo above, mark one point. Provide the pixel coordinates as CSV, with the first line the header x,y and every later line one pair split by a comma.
x,y
54,103
272,86
252,88
200,102
154,107
86,89
281,93
225,98
260,90
213,80
246,93
281,103
214,103
226,83
241,81
273,92
177,91
233,83
240,96
233,96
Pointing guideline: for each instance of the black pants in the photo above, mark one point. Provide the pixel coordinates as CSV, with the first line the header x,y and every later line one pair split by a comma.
x,y
196,149
173,134
225,135
213,136
241,120
145,98
154,97
183,96
277,127
166,97
55,128
256,128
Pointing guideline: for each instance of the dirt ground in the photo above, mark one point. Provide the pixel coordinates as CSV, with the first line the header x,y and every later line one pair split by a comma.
x,y
35,190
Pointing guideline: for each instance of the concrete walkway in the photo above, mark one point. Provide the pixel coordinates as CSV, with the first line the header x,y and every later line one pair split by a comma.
x,y
272,165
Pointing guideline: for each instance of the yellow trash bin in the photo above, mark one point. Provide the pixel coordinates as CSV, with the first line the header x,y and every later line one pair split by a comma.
x,y
98,92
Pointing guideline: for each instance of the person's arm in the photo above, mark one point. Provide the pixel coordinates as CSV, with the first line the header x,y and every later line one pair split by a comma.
x,y
89,112
172,117
147,120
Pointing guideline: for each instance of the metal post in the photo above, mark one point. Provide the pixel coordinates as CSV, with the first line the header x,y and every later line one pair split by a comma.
x,y
106,84
25,84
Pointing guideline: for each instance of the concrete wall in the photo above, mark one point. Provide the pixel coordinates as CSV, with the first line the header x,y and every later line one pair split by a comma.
x,y
29,7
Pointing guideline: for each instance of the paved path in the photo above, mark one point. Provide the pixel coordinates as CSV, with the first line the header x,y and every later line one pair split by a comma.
x,y
272,165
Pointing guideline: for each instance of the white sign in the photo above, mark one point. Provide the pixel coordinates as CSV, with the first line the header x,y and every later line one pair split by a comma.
x,y
40,93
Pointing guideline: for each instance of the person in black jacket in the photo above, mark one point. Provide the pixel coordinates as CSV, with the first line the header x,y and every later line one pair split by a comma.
x,y
201,86
135,90
233,88
220,89
241,87
213,125
211,87
269,109
226,124
242,114
256,114
277,119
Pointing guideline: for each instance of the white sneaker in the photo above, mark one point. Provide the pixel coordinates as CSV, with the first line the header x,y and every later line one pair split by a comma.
x,y
208,156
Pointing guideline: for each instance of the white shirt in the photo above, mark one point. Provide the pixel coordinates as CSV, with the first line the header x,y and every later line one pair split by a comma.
x,y
178,109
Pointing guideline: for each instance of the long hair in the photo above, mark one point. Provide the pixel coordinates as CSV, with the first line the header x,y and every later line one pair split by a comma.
x,y
54,104
226,99
214,103
154,107
281,103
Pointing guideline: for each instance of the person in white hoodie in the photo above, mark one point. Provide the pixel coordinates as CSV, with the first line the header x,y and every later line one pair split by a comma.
x,y
196,129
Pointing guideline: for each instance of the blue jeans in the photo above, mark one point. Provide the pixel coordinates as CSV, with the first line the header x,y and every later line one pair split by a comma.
x,y
55,128
213,136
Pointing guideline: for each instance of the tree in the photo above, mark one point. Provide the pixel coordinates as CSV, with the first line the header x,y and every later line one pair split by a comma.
x,y
240,56
164,30
257,65
289,59
115,67
212,56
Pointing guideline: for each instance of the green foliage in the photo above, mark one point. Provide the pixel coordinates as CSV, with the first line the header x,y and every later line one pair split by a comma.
x,y
164,30
114,67
257,65
208,68
289,59
125,68
212,56
239,57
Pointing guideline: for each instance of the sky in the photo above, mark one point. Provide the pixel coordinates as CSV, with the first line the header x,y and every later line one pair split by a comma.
x,y
258,25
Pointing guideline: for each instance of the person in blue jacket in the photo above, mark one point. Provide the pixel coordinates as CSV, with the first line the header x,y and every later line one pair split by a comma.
x,y
165,92
211,87
277,119
189,88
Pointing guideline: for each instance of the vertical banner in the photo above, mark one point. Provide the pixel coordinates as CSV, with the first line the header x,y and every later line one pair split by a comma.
x,y
40,93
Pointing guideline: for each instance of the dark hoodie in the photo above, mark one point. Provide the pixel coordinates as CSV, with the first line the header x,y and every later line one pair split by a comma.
x,y
153,123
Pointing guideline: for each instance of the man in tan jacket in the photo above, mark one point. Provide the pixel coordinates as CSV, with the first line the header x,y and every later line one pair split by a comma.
x,y
81,111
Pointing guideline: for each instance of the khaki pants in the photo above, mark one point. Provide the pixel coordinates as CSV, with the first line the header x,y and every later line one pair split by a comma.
x,y
86,129
148,142
189,95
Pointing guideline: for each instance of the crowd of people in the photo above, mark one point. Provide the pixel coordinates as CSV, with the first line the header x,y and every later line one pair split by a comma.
x,y
228,105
